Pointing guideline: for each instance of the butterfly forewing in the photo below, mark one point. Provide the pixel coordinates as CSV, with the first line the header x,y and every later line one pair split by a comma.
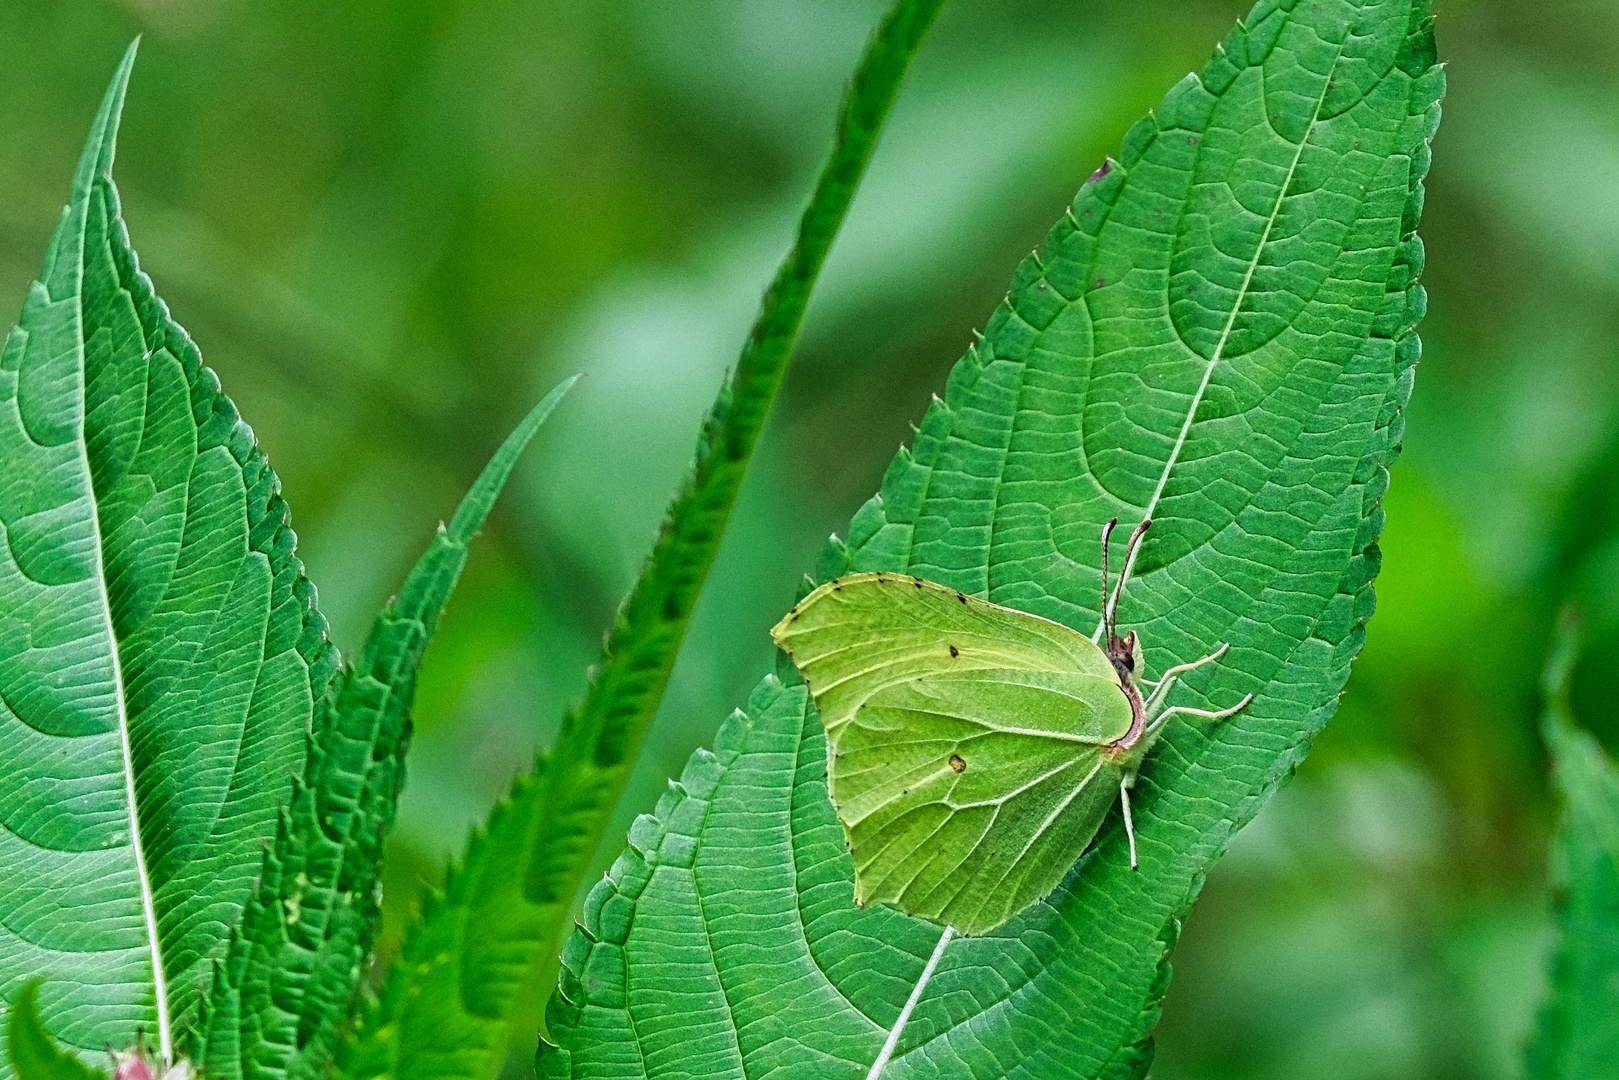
x,y
852,636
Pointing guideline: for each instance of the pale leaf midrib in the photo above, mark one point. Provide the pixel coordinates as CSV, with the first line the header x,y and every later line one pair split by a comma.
x,y
143,876
1231,319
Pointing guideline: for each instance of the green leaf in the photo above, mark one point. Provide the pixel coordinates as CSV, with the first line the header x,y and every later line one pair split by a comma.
x,y
293,967
160,649
34,1054
1578,1036
1218,336
486,945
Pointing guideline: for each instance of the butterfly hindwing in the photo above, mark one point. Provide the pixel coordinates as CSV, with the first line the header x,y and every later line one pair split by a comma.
x,y
959,809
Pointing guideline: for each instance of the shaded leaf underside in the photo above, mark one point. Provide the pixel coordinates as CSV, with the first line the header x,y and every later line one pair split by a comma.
x,y
1217,335
158,642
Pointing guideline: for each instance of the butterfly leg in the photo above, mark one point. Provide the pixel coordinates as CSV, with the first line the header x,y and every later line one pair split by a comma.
x,y
1187,710
1162,687
1129,825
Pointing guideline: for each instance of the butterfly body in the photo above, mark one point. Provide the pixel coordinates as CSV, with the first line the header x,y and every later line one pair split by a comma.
x,y
974,750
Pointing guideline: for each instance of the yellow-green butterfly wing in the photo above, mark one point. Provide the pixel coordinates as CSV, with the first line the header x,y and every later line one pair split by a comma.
x,y
969,754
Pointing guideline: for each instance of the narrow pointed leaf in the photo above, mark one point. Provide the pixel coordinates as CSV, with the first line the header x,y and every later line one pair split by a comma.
x,y
1219,336
1578,1034
160,650
296,961
34,1054
488,943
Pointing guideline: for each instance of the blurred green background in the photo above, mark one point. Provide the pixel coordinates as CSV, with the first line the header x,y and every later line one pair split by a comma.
x,y
392,226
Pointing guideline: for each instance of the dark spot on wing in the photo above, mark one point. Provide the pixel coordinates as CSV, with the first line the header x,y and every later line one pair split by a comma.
x,y
954,652
958,763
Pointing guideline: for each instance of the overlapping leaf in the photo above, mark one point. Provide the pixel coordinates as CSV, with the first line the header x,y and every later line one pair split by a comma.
x,y
1218,335
32,1052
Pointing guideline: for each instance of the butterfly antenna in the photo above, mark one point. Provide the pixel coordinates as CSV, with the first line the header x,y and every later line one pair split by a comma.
x,y
1110,615
1107,531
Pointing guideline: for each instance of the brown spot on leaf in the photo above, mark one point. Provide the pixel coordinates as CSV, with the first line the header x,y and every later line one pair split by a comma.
x,y
954,652
958,763
962,597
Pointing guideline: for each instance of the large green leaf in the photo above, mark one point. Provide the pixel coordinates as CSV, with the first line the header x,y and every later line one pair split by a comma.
x,y
1578,1035
1218,335
160,650
454,1001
